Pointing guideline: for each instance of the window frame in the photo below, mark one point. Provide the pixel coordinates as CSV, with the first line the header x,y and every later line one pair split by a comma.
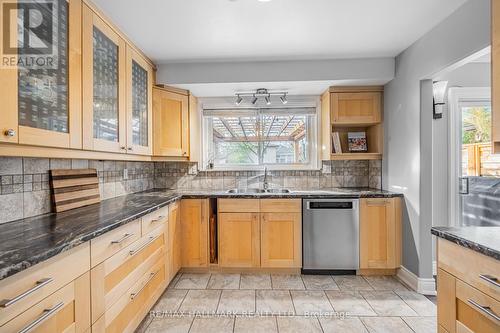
x,y
226,104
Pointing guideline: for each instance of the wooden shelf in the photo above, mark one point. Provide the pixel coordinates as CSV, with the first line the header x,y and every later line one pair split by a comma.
x,y
356,156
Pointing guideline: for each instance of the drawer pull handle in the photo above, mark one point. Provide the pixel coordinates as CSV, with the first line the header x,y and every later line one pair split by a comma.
x,y
47,313
38,285
491,279
484,309
151,277
124,238
161,217
140,248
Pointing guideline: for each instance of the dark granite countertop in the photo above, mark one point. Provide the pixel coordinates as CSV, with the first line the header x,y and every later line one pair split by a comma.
x,y
485,240
26,242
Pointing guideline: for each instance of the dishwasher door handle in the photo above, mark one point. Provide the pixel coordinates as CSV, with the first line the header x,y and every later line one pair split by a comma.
x,y
320,205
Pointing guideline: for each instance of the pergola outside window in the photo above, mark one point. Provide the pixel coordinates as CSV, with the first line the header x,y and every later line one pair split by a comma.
x,y
259,137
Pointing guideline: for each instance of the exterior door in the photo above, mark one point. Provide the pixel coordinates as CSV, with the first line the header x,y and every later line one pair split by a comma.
x,y
474,167
104,89
42,105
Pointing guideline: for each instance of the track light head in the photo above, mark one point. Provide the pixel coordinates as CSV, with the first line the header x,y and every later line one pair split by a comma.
x,y
268,99
254,100
238,100
283,99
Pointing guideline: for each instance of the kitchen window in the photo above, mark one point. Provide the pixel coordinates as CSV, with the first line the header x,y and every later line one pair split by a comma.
x,y
246,139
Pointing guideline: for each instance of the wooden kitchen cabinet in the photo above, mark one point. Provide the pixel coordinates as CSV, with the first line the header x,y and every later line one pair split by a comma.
x,y
66,310
194,230
171,123
466,302
356,106
380,233
104,85
239,239
495,77
352,109
139,104
42,107
175,236
281,240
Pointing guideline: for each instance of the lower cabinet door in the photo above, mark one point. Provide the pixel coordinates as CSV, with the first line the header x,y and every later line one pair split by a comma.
x,y
194,230
175,235
66,310
239,240
281,240
127,313
379,234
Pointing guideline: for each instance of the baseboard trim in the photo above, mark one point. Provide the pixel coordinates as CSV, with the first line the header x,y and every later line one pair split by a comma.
x,y
421,286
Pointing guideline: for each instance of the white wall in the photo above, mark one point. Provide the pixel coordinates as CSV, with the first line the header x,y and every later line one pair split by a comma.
x,y
463,33
276,71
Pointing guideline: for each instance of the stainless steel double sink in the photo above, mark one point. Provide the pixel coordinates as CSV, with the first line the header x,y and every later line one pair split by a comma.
x,y
258,190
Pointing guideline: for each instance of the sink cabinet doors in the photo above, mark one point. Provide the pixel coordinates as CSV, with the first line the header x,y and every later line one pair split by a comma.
x,y
42,106
239,241
104,89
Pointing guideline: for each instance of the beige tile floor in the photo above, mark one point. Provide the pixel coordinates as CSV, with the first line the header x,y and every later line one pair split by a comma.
x,y
289,303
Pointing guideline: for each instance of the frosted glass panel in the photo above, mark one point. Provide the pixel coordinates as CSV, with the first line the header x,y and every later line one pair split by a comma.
x,y
43,92
105,87
139,105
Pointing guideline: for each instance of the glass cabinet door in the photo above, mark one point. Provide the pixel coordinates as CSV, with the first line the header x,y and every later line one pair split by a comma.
x,y
103,86
139,104
46,80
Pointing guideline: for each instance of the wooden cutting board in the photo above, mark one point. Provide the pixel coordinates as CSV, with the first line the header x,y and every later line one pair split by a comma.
x,y
74,188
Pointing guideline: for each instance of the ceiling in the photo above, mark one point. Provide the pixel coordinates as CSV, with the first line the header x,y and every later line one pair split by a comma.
x,y
236,30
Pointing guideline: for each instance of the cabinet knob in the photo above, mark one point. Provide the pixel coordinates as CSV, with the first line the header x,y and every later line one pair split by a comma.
x,y
122,148
129,148
10,132
184,153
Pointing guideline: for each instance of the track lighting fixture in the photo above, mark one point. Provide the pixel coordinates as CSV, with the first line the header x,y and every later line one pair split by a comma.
x,y
238,100
261,93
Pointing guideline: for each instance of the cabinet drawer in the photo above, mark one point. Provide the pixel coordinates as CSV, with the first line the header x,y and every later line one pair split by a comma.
x,y
127,313
471,267
112,278
238,205
105,246
281,205
20,291
476,311
154,220
66,310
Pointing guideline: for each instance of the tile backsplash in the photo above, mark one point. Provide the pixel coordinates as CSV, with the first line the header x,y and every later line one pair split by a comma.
x,y
25,191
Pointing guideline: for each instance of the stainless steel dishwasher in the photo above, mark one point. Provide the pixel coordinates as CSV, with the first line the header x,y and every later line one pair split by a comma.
x,y
330,236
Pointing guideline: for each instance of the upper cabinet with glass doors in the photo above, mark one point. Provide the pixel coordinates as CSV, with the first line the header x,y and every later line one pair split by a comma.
x,y
139,104
104,73
117,91
41,96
